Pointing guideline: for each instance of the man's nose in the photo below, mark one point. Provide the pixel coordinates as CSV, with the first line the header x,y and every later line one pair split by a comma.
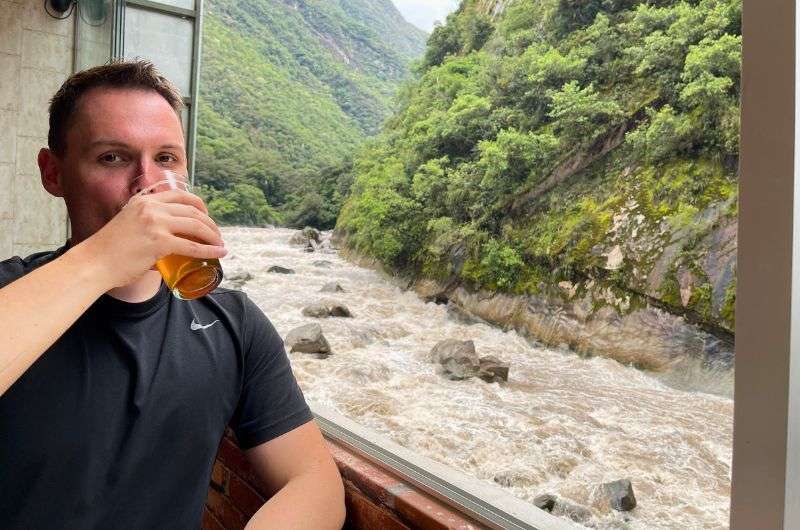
x,y
147,175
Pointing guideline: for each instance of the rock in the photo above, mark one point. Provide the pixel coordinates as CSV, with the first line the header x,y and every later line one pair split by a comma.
x,y
503,480
311,234
337,310
457,357
238,279
453,349
459,361
317,311
337,239
307,339
620,495
492,370
614,259
298,238
327,310
686,283
545,502
309,247
280,270
332,287
459,368
577,513
325,264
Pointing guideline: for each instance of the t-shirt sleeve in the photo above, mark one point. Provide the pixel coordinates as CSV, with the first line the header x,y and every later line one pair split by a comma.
x,y
271,402
11,270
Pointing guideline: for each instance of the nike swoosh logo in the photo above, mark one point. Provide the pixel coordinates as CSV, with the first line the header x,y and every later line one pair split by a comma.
x,y
195,326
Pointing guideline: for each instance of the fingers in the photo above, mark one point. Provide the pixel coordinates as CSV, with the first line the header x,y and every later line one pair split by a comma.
x,y
194,229
184,210
186,247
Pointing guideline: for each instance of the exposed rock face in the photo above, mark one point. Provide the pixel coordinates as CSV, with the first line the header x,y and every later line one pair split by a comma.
x,y
647,338
308,339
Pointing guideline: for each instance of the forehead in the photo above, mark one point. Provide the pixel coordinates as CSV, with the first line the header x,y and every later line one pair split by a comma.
x,y
133,116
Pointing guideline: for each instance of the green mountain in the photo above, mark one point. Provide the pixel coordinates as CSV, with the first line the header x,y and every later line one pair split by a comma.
x,y
288,89
577,150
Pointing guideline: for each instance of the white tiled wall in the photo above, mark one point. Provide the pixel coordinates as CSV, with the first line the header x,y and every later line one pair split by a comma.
x,y
35,58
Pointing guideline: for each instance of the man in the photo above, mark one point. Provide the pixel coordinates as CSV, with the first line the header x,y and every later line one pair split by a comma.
x,y
112,402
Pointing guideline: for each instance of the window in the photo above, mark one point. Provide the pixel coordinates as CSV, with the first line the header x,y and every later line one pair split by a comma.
x,y
166,33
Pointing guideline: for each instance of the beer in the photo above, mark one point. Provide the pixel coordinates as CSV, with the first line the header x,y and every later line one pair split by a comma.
x,y
190,278
187,278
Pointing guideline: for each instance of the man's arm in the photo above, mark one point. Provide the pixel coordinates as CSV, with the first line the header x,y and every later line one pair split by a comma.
x,y
307,486
38,308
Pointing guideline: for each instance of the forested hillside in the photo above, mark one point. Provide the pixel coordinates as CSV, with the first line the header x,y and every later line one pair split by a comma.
x,y
587,150
288,89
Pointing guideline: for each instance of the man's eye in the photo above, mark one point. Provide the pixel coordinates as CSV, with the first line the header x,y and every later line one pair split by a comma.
x,y
111,158
167,158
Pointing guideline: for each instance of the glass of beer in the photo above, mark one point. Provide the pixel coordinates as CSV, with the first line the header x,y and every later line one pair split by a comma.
x,y
187,278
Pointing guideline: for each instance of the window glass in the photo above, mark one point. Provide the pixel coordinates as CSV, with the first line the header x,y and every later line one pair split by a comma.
x,y
93,34
164,39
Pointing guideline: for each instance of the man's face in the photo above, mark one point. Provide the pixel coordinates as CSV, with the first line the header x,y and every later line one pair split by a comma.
x,y
115,136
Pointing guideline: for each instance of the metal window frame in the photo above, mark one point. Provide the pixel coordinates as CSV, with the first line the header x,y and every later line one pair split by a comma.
x,y
765,491
190,100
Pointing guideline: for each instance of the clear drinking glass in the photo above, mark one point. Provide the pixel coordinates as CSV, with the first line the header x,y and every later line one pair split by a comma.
x,y
187,278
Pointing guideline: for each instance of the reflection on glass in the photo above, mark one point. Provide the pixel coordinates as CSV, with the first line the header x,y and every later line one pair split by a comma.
x,y
93,34
166,40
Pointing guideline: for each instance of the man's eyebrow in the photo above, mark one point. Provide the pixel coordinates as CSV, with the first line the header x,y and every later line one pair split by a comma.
x,y
117,143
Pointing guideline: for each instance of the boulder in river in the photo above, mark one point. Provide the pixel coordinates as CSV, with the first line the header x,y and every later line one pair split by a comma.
x,y
576,512
453,349
325,264
332,287
238,279
491,369
280,270
620,495
298,238
545,502
309,247
322,310
459,361
312,234
338,310
308,339
316,311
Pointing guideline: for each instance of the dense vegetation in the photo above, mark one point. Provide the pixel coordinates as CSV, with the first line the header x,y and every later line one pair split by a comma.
x,y
533,137
288,90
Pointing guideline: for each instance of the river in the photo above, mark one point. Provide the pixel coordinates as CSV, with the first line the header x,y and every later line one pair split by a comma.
x,y
562,424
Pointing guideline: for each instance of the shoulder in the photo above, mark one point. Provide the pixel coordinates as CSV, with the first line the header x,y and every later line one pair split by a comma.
x,y
254,325
15,267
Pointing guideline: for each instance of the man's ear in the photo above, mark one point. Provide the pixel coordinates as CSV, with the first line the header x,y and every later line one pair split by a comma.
x,y
50,169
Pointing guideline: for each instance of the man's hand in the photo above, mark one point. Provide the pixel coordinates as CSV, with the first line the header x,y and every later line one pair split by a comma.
x,y
148,228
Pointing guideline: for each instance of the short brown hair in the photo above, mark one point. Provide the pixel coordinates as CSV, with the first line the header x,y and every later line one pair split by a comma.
x,y
116,74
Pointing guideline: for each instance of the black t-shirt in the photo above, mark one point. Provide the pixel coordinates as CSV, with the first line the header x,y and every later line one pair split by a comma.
x,y
117,424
